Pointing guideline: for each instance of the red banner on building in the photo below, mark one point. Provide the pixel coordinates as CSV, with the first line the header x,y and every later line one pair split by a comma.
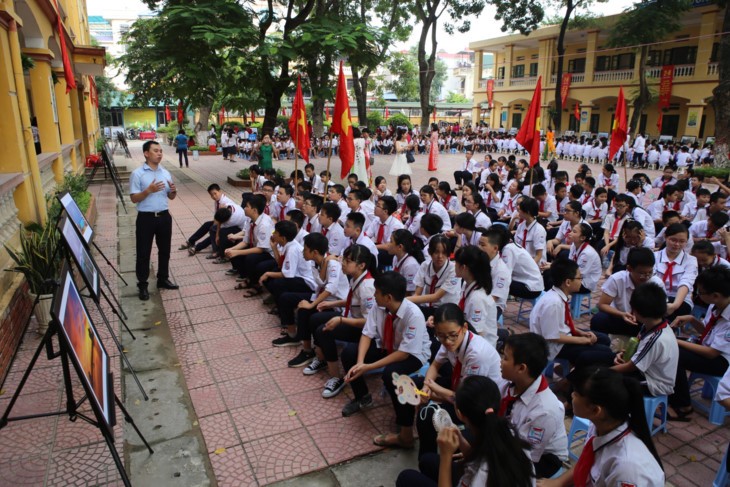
x,y
564,87
490,92
665,86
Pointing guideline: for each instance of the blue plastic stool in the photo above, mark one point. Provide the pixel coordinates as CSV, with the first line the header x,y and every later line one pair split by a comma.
x,y
453,151
500,321
533,302
421,372
557,474
716,414
723,478
651,404
549,369
576,305
699,312
579,425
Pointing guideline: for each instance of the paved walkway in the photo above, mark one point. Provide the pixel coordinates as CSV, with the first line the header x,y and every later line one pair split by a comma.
x,y
261,422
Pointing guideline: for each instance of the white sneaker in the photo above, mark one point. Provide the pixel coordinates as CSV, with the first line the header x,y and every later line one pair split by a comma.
x,y
314,366
333,387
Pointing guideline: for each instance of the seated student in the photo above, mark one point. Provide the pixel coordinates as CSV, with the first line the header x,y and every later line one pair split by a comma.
x,y
404,190
447,197
228,221
633,191
354,232
465,230
586,256
548,205
220,200
467,354
706,255
526,280
472,266
297,217
654,361
529,404
431,206
510,201
551,318
665,179
269,190
366,205
614,310
354,204
311,176
256,177
311,207
359,266
559,244
294,273
669,218
474,204
493,455
411,216
407,256
328,218
436,281
614,222
641,216
589,185
325,182
708,229
255,246
431,226
285,202
710,355
501,275
336,195
678,270
667,202
697,210
352,179
381,228
296,309
596,210
632,236
395,338
529,234
620,450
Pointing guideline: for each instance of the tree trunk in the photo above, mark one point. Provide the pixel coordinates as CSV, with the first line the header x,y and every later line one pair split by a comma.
x,y
426,67
317,117
644,96
203,118
557,119
721,99
270,114
360,85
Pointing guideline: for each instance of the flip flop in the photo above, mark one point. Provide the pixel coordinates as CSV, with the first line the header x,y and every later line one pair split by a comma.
x,y
392,440
191,251
253,291
681,416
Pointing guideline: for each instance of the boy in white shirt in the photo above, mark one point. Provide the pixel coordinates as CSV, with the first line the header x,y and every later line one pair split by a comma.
x,y
331,229
382,227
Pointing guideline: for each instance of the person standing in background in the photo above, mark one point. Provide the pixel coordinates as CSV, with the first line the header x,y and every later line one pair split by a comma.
x,y
181,144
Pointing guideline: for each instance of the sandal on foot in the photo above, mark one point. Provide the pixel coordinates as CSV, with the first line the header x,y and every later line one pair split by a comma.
x,y
241,286
253,291
192,251
185,246
391,440
681,416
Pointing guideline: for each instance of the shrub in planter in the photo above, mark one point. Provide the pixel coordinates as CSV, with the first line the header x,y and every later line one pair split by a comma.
x,y
721,173
398,120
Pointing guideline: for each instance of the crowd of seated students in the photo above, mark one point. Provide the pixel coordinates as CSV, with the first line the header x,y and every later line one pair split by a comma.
x,y
365,280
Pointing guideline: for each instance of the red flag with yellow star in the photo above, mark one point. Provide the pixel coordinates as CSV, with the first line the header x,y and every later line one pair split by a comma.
x,y
298,123
529,134
342,125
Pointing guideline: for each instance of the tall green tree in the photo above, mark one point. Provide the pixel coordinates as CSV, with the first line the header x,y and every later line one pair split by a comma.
x,y
404,82
721,95
647,22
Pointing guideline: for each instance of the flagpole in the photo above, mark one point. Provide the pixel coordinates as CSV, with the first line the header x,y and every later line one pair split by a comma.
x,y
329,155
296,155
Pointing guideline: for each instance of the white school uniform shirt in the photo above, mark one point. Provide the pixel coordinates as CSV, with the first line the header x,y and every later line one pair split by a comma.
x,y
413,225
367,207
365,242
693,213
723,388
656,209
391,224
312,225
620,287
683,159
656,357
477,357
562,204
451,203
344,211
335,281
532,238
623,254
400,198
661,183
363,296
524,268
699,230
261,233
474,240
445,279
538,416
438,209
469,165
547,319
634,197
258,184
300,236
238,217
501,281
480,311
606,182
288,206
336,237
551,205
510,204
589,263
408,268
409,330
482,220
608,225
295,265
647,222
594,211
719,337
684,273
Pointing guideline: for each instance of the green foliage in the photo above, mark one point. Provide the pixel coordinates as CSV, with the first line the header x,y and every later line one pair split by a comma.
x,y
579,21
648,21
27,62
201,148
721,173
375,120
37,258
100,144
398,120
76,185
522,17
404,69
453,97
243,173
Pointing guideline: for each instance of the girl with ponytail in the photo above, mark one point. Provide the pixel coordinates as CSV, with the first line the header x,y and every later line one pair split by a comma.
x,y
407,256
472,266
495,456
619,450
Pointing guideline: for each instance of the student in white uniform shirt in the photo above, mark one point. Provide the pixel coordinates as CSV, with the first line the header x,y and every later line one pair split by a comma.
x,y
548,205
613,223
354,232
596,211
465,353
474,204
411,217
654,362
530,235
255,245
530,405
471,265
551,318
711,354
665,179
359,265
468,168
526,279
310,175
394,338
641,216
407,256
465,231
678,270
586,256
354,204
329,219
447,197
632,236
431,206
336,194
405,189
619,450
285,202
297,217
510,201
382,227
501,275
572,216
697,210
310,207
436,281
708,229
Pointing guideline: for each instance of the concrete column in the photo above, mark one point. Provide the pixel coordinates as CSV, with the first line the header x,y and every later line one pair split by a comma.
x,y
65,119
76,118
705,41
591,46
478,67
509,49
42,93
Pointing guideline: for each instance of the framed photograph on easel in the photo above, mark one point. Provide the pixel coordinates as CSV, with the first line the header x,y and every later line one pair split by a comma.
x,y
81,257
76,216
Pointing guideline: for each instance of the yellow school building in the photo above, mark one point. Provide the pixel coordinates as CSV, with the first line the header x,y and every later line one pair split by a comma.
x,y
598,71
34,90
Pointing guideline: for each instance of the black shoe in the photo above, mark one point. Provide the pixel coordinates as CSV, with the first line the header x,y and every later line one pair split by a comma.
x,y
304,358
166,284
285,341
144,294
357,405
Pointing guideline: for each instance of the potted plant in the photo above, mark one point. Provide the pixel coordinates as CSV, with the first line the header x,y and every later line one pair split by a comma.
x,y
38,260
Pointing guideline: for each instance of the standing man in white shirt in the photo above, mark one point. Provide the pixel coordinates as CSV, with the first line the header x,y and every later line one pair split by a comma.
x,y
639,149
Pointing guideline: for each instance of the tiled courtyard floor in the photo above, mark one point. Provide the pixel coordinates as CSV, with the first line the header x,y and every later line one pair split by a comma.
x,y
261,421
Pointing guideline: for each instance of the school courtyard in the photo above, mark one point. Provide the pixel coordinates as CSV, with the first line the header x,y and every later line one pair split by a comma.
x,y
223,407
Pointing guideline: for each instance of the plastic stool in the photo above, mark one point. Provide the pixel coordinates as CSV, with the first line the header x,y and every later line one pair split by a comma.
x,y
453,151
651,404
577,426
699,312
723,478
564,366
716,414
421,372
500,321
532,301
557,474
576,305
